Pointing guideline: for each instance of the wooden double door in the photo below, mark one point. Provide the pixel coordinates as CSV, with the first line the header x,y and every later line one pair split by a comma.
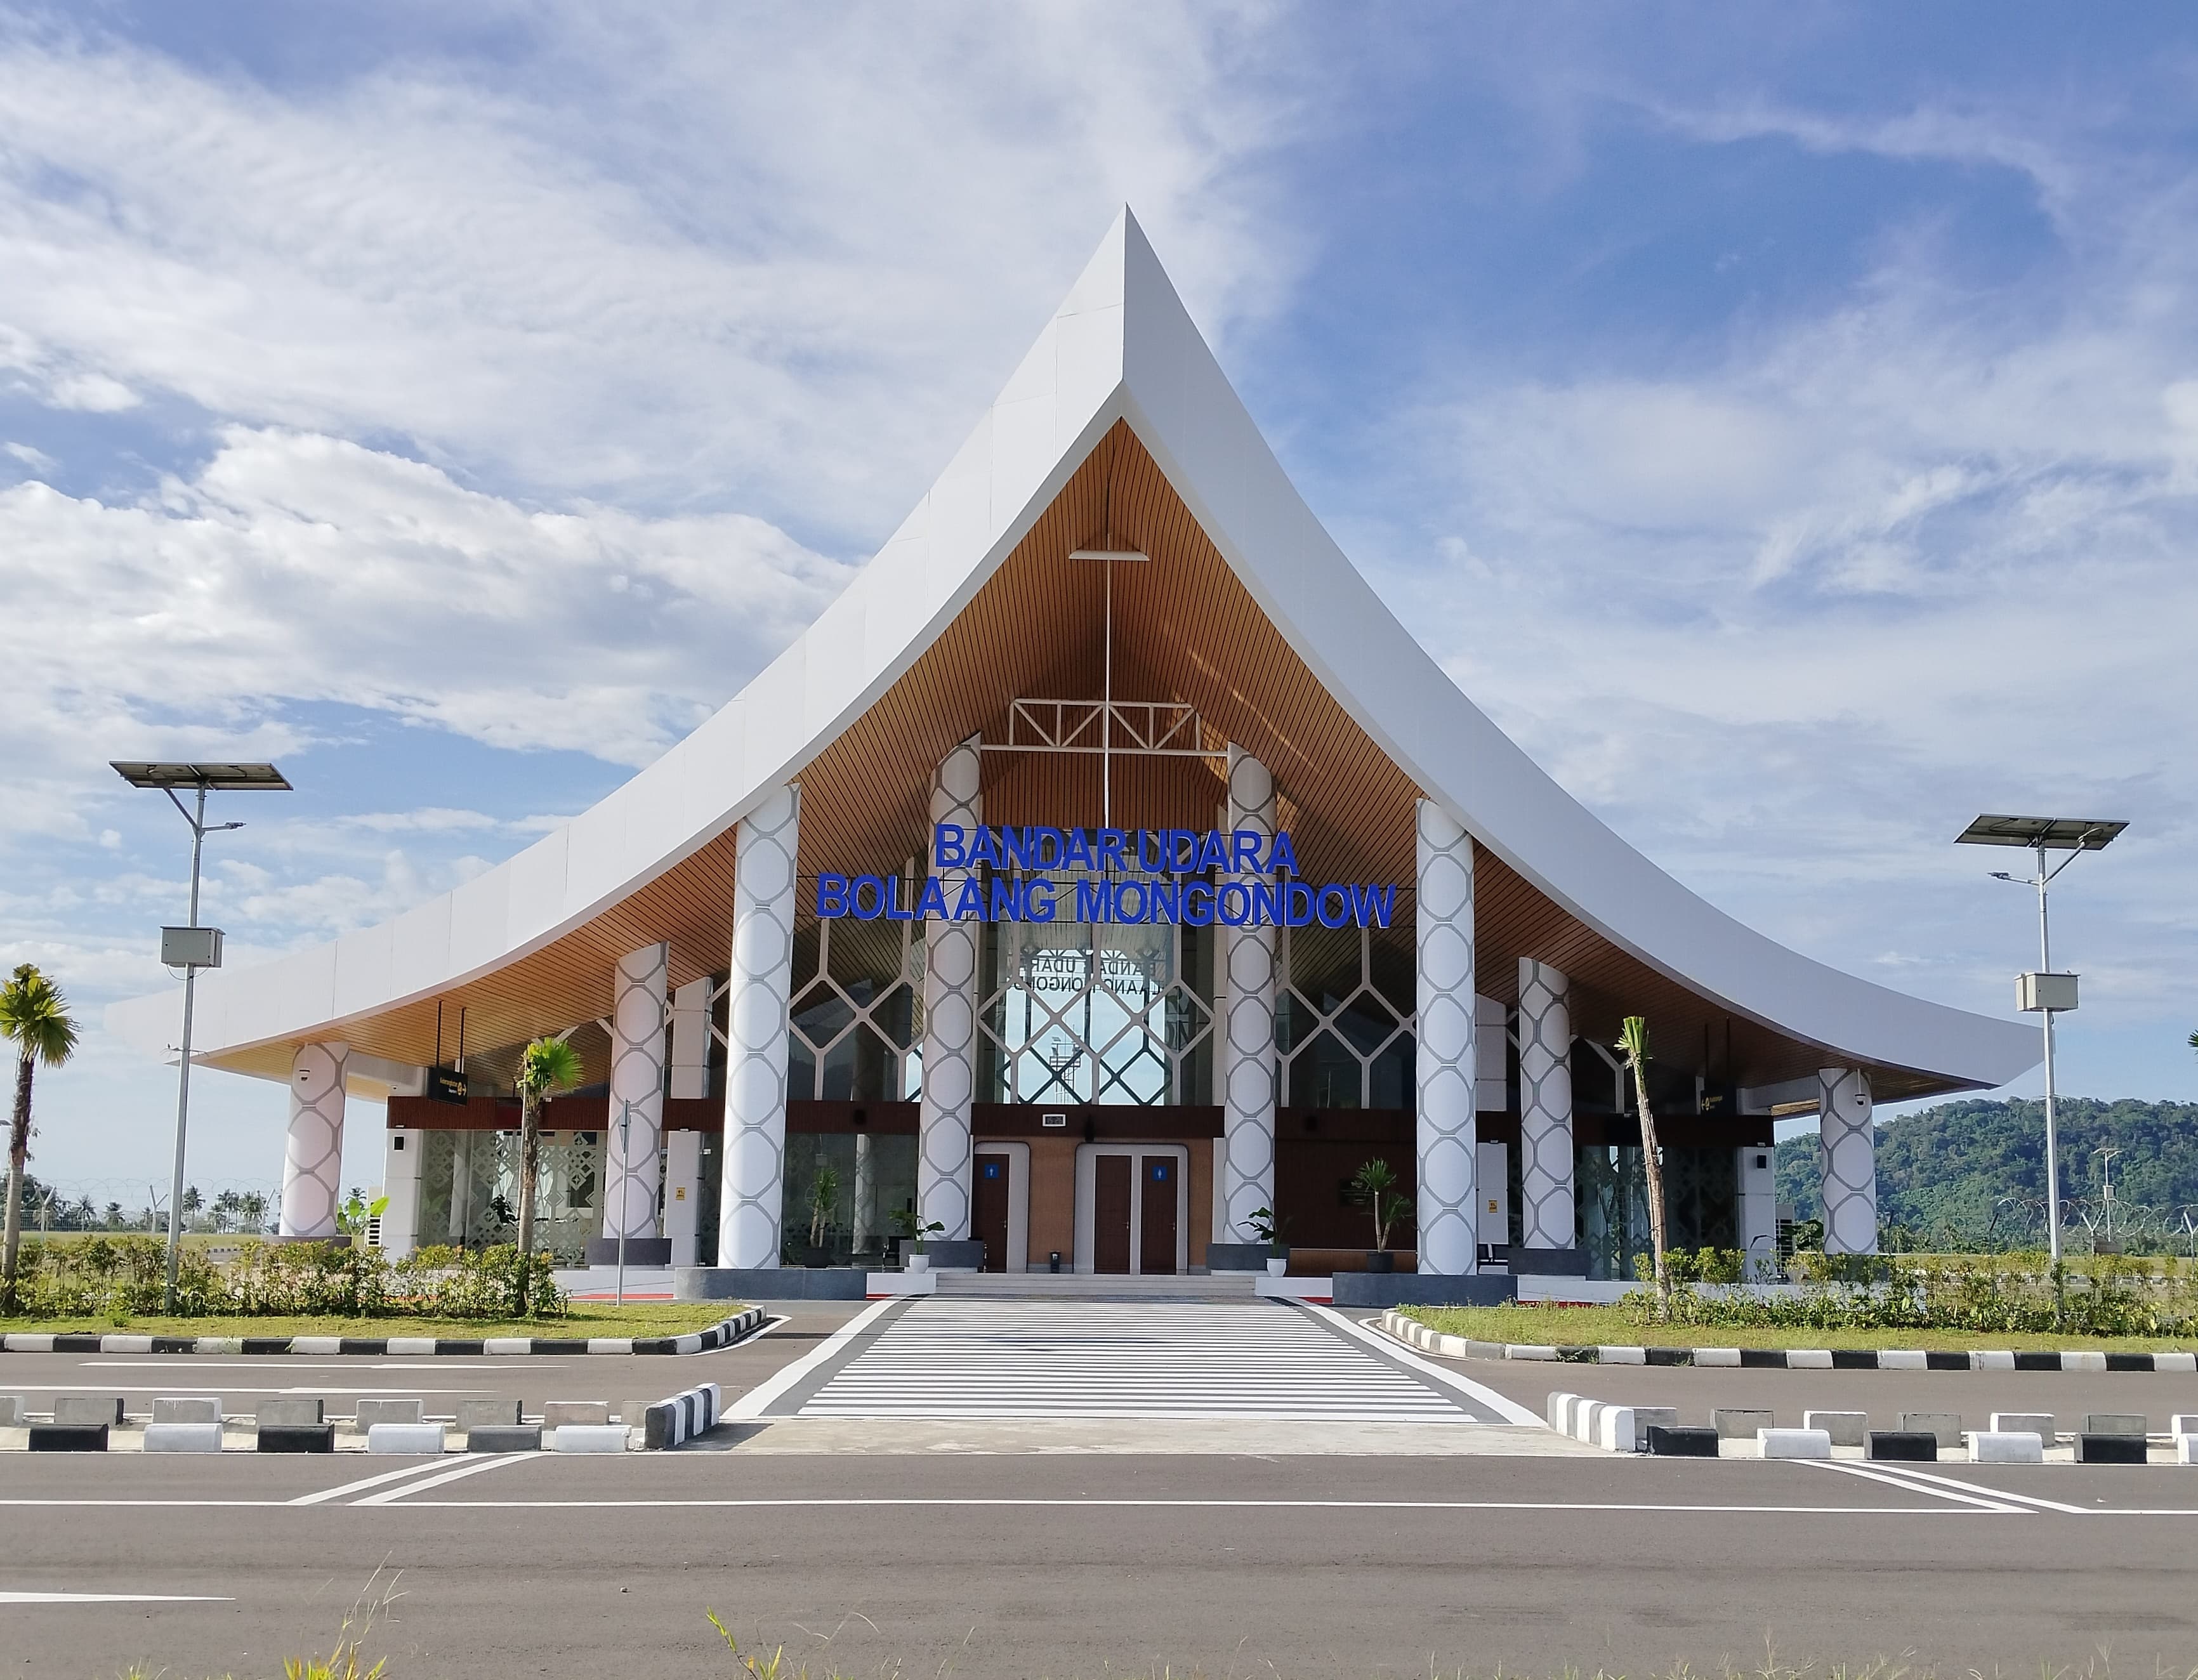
x,y
1136,1209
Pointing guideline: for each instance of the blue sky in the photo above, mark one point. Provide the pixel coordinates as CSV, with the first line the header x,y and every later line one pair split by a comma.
x,y
1784,421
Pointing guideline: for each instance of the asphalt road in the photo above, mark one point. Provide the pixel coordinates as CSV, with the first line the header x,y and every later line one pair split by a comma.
x,y
986,1564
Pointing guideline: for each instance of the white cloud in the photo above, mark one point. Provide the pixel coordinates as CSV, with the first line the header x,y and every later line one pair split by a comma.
x,y
92,393
37,459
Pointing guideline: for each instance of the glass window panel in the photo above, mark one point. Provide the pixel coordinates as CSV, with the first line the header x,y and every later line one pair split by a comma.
x,y
1325,1075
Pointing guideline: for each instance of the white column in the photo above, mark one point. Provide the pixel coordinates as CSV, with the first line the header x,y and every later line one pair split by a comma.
x,y
750,1204
943,1164
866,1193
400,1183
639,1017
1849,1146
682,1192
1250,1072
691,1039
1545,1106
312,1156
1444,1060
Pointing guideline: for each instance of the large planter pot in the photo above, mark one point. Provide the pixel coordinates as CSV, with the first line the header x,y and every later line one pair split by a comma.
x,y
1380,1259
919,1263
1278,1265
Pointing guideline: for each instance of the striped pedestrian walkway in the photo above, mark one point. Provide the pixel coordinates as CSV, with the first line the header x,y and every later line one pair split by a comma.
x,y
1109,1359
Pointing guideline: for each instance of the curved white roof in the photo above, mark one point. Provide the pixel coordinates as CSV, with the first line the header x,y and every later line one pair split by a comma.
x,y
1121,347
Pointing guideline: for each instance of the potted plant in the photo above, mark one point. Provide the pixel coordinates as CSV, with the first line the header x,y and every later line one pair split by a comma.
x,y
915,1231
1268,1230
1377,1182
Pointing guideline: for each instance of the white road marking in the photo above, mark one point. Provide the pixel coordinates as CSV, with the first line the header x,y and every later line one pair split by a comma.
x,y
1442,1505
970,1359
225,1362
498,1462
1502,1404
397,1475
1877,1474
1912,1473
751,1404
113,1598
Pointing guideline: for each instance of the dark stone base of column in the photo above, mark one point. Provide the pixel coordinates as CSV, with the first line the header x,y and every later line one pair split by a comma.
x,y
1549,1262
770,1283
953,1254
1412,1288
640,1251
1237,1256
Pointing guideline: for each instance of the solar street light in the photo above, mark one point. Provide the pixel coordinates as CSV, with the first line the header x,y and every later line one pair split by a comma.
x,y
191,946
2044,992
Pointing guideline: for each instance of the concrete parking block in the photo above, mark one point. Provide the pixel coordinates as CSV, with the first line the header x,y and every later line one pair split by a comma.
x,y
556,1414
424,1439
2183,1423
1794,1442
186,1409
504,1438
374,1412
1740,1423
1678,1443
487,1414
1646,1418
1911,1446
1943,1427
2115,1423
588,1438
1847,1429
2115,1449
182,1437
14,1411
68,1437
296,1436
2040,1424
2186,1449
288,1412
2006,1446
88,1409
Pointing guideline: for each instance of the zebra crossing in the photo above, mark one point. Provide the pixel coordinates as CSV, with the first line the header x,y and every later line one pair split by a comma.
x,y
1113,1360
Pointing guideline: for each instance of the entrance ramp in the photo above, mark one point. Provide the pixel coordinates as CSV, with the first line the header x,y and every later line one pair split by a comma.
x,y
1065,1286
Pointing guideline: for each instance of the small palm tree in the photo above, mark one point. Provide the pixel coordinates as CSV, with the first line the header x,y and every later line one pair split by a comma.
x,y
546,1066
34,1016
1377,1182
1633,1045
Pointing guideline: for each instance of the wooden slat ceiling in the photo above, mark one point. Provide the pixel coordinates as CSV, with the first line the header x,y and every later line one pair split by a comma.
x,y
1185,631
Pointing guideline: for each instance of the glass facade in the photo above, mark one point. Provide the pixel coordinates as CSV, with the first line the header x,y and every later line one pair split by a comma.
x,y
1701,1188
470,1190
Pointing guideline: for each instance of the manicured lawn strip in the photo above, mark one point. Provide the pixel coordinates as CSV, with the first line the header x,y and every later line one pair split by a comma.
x,y
1605,1325
644,1318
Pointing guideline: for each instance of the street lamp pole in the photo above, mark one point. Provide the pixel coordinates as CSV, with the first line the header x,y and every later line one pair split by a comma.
x,y
183,1067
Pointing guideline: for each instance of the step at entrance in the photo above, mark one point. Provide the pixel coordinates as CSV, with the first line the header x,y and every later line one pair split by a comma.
x,y
1228,1285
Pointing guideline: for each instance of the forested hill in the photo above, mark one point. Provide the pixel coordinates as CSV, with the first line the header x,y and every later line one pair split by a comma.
x,y
1942,1170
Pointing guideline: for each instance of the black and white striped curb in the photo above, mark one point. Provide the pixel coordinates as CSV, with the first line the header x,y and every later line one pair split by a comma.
x,y
722,1334
1417,1335
681,1418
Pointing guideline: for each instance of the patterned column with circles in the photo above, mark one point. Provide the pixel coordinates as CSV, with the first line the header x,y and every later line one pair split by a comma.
x,y
1847,1145
640,1046
751,1203
1444,1058
1250,1067
944,1165
1545,1106
312,1156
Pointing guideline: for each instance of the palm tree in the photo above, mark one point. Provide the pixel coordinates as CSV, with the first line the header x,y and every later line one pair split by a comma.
x,y
34,1016
546,1067
1633,1045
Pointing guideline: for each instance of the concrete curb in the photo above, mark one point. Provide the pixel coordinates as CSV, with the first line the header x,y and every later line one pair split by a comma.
x,y
722,1334
681,1418
1417,1335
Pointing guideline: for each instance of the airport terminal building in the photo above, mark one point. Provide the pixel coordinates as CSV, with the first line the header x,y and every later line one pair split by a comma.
x,y
1106,866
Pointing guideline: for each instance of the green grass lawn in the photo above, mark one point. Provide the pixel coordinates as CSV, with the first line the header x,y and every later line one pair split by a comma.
x,y
1609,1326
645,1319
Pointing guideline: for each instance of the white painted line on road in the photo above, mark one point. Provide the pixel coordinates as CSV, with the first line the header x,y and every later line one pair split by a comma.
x,y
498,1462
1391,1348
1204,1505
1876,1474
365,1482
369,1362
112,1598
751,1404
1912,1473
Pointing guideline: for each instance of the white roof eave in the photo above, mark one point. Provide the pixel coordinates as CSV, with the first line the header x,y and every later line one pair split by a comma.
x,y
1120,346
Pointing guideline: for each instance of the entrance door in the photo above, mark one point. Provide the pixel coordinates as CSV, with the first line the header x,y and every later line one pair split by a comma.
x,y
1156,1242
988,1219
1110,1213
